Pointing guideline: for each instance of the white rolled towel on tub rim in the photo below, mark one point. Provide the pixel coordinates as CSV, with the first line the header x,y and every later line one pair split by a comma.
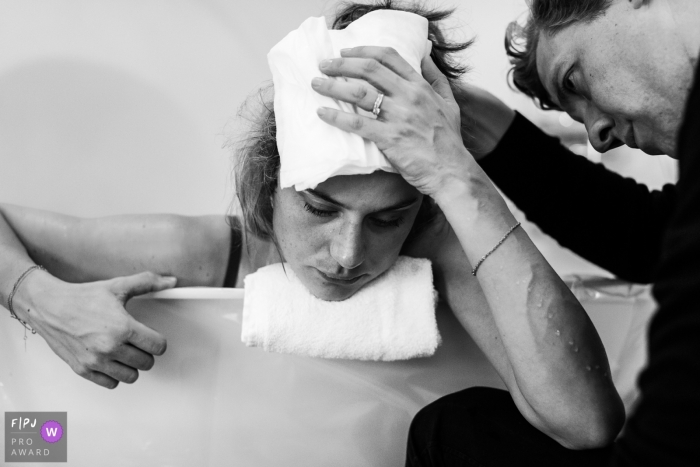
x,y
391,318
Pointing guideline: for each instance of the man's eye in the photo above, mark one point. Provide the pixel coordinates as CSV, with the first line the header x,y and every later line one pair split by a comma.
x,y
317,212
569,83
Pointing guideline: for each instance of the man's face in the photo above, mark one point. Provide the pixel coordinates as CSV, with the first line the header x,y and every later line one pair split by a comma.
x,y
621,75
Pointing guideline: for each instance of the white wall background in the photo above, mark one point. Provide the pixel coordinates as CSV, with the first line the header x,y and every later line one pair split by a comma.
x,y
122,106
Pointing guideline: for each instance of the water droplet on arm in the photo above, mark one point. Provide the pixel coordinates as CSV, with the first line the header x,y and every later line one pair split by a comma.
x,y
588,367
557,333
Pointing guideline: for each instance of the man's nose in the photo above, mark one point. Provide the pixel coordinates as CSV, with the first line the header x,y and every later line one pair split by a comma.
x,y
600,130
347,247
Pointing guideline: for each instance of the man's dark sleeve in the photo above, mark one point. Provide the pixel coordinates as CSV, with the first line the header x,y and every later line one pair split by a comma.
x,y
608,219
665,427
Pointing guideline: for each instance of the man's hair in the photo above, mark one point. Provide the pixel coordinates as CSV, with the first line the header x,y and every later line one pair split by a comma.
x,y
548,17
257,156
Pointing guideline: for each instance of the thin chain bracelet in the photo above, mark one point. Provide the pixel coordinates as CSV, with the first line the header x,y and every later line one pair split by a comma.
x,y
478,263
12,295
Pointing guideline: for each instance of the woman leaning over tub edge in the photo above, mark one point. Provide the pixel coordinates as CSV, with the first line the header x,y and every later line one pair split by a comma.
x,y
337,238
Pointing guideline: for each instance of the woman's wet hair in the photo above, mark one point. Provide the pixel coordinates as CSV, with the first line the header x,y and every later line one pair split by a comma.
x,y
256,155
549,17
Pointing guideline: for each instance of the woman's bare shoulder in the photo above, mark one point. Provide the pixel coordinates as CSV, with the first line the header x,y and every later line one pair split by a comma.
x,y
430,241
440,245
255,254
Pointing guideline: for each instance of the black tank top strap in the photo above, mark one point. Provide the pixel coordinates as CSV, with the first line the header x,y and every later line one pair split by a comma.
x,y
234,258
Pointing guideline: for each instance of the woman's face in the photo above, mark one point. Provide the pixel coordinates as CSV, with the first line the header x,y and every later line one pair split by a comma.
x,y
345,232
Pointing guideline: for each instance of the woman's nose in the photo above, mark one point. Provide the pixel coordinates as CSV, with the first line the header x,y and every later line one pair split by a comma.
x,y
347,246
600,130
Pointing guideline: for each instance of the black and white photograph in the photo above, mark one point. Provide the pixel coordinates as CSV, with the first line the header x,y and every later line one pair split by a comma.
x,y
350,233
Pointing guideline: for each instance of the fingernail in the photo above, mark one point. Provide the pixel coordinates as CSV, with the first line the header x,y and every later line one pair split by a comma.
x,y
316,82
170,280
344,51
321,111
325,63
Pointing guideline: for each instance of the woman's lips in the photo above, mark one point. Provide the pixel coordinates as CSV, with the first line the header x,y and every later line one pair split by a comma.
x,y
340,280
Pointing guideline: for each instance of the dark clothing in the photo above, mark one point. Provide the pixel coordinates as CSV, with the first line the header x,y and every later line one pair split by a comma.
x,y
234,257
638,235
604,217
483,427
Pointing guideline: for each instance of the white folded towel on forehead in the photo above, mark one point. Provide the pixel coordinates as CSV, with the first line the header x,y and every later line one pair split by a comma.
x,y
311,151
391,318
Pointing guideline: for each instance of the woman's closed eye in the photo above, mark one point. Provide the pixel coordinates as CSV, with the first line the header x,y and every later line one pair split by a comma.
x,y
378,221
387,222
317,212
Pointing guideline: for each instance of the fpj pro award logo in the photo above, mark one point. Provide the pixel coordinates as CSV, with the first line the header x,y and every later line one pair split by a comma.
x,y
36,437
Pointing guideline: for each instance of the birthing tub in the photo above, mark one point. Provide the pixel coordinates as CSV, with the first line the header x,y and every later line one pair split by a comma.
x,y
211,401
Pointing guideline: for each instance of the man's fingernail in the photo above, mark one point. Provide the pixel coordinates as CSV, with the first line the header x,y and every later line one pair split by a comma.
x,y
344,51
316,82
170,280
321,111
325,63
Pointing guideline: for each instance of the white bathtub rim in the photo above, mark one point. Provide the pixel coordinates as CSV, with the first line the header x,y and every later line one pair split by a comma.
x,y
195,293
585,290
